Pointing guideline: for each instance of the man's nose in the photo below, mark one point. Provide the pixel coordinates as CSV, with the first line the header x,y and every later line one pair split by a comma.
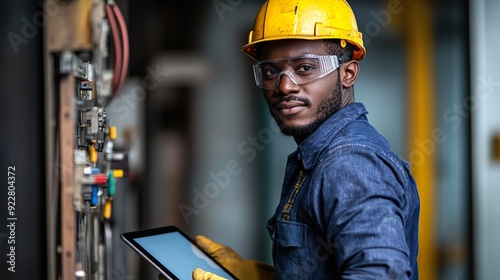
x,y
287,84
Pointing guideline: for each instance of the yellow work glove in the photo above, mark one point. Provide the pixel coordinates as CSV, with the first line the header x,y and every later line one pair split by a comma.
x,y
200,274
241,268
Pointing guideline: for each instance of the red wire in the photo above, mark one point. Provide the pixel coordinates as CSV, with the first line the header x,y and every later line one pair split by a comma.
x,y
125,45
116,43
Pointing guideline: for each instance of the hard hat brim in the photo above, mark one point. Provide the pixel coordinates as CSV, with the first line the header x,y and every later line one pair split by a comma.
x,y
249,49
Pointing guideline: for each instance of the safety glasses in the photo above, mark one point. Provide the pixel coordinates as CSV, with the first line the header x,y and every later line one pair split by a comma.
x,y
301,69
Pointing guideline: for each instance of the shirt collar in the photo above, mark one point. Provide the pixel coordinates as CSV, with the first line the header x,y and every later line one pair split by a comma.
x,y
309,150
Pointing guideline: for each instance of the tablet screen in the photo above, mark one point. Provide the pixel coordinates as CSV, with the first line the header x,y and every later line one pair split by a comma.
x,y
178,254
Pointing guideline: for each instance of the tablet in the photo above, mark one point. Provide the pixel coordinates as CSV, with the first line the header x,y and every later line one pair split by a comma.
x,y
172,253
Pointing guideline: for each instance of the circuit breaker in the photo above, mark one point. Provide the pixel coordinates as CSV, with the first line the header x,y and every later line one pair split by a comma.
x,y
86,49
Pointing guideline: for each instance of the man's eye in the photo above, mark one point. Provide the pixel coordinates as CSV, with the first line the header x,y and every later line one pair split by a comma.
x,y
270,72
305,68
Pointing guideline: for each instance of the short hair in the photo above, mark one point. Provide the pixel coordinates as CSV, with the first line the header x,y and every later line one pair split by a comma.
x,y
333,47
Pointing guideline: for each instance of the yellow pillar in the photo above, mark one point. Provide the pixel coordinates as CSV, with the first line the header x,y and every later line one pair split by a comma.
x,y
421,123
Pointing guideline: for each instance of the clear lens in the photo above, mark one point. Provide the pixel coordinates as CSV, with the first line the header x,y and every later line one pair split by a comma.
x,y
301,70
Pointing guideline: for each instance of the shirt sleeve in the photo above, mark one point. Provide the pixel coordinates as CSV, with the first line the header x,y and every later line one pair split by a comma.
x,y
361,200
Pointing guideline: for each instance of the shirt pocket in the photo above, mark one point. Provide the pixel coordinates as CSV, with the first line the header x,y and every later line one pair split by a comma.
x,y
293,260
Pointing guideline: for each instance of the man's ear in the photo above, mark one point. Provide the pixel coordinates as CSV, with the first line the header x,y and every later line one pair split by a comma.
x,y
349,73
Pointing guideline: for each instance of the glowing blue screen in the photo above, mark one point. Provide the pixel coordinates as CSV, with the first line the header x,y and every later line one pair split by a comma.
x,y
178,255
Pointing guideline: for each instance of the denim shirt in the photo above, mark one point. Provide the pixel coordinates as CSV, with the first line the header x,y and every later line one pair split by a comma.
x,y
355,215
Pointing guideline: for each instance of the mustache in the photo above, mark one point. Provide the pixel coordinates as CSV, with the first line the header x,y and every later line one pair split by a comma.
x,y
290,98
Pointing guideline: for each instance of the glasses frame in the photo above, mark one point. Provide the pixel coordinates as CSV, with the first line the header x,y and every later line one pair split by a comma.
x,y
327,64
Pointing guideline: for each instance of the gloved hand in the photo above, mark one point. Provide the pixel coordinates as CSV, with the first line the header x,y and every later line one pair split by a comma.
x,y
241,268
200,274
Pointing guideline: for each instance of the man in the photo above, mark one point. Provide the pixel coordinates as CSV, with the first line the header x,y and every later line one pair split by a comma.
x,y
349,206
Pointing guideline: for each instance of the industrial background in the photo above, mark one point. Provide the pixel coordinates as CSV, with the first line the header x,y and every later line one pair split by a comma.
x,y
186,111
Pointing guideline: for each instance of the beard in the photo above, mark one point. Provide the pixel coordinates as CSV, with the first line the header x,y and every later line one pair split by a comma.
x,y
324,111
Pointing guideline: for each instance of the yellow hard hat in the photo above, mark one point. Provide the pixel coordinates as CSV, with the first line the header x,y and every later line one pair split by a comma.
x,y
305,19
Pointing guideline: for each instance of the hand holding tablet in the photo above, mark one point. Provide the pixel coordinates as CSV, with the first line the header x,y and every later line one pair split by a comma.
x,y
173,253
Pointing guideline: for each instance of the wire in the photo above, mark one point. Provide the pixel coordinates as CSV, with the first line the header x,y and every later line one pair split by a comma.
x,y
116,40
125,44
121,45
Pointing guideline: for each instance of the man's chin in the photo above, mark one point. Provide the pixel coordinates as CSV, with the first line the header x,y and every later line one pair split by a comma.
x,y
299,132
289,129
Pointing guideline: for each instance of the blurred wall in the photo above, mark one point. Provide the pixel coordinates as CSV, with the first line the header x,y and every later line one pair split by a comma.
x,y
484,103
22,141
